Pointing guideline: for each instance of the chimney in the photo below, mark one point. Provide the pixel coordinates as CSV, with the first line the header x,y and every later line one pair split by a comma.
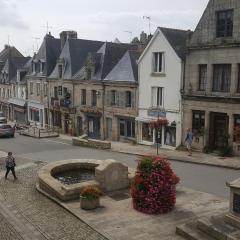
x,y
64,35
143,38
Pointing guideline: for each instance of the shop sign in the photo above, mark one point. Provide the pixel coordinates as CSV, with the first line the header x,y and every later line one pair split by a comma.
x,y
157,113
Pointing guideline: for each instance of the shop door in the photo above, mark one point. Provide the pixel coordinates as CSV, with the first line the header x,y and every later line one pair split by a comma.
x,y
109,128
94,127
79,126
20,117
66,124
220,126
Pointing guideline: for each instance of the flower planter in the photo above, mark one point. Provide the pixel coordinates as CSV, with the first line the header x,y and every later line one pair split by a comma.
x,y
89,204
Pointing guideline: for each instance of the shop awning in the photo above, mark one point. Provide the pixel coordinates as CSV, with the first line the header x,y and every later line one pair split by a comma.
x,y
148,119
18,102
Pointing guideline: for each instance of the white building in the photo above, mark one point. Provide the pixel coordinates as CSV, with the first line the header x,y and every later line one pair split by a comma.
x,y
161,68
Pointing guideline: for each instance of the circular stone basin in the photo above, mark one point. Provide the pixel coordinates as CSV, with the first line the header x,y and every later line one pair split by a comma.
x,y
75,176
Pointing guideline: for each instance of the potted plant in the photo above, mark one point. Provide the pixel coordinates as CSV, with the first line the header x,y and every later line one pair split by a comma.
x,y
153,189
89,198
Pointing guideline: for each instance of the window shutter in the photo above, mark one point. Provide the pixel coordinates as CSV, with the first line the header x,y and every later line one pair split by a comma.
x,y
133,99
163,62
108,99
117,99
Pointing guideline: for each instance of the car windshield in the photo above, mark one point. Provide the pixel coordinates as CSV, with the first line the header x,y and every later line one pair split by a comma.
x,y
1,114
5,127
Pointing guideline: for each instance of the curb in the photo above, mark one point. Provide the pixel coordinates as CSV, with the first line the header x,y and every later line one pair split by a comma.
x,y
184,160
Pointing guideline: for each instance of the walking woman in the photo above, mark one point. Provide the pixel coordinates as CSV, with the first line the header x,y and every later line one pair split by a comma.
x,y
10,165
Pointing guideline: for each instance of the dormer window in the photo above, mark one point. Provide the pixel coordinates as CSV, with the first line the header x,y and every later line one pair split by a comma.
x,y
33,67
225,23
89,74
60,70
42,65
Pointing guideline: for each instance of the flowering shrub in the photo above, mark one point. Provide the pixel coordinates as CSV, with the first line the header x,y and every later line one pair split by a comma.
x,y
91,193
153,189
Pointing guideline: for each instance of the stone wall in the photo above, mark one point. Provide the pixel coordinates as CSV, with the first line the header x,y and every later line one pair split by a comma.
x,y
205,32
112,175
92,143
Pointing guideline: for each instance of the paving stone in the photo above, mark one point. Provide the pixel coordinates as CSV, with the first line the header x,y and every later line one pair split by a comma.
x,y
43,216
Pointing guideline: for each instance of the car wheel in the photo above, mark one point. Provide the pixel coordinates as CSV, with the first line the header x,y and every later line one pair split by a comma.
x,y
12,135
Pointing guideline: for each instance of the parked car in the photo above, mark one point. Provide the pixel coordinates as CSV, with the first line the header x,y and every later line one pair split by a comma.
x,y
6,130
3,119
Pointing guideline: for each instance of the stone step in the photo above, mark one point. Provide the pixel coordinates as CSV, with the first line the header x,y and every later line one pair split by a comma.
x,y
217,228
190,231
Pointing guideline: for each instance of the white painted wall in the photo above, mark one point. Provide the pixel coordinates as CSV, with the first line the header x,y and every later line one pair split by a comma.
x,y
171,81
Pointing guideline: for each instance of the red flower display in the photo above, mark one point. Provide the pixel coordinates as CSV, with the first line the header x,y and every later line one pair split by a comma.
x,y
154,187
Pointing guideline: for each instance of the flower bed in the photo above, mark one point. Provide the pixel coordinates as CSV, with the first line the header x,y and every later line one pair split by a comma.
x,y
154,187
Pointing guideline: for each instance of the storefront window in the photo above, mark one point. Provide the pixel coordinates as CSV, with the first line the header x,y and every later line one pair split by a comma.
x,y
147,132
127,128
130,129
198,121
170,136
236,128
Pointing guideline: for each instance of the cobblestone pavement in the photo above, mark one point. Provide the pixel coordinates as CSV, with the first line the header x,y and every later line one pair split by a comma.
x,y
7,231
45,216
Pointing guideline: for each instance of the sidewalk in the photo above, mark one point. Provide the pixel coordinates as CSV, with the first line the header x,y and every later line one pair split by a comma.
x,y
197,157
181,156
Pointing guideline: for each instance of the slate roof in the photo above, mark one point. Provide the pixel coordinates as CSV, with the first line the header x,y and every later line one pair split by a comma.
x,y
12,65
177,39
74,54
48,53
9,51
126,69
112,53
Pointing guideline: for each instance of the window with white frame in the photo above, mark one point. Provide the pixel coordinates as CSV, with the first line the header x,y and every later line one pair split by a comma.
x,y
14,91
45,89
158,62
38,89
157,97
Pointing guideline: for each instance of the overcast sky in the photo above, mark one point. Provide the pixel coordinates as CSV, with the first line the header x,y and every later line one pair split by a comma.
x,y
22,21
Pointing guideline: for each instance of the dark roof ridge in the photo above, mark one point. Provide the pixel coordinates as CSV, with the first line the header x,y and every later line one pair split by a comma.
x,y
175,29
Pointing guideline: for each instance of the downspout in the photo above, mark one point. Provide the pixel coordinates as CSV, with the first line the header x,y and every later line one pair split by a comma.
x,y
74,115
182,96
103,109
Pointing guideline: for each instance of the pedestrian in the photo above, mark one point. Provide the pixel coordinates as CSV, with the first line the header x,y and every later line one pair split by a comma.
x,y
188,140
10,165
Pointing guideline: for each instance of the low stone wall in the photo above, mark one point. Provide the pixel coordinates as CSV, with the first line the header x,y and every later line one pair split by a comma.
x,y
52,186
92,143
110,175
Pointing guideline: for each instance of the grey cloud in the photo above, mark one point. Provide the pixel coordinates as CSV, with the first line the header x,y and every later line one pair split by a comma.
x,y
9,17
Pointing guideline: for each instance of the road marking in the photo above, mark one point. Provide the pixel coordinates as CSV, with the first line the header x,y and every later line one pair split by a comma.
x,y
57,142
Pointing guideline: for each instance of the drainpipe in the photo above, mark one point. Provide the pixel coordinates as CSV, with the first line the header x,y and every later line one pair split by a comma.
x,y
74,115
103,109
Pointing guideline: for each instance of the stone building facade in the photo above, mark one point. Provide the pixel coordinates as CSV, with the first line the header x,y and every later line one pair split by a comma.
x,y
94,90
41,66
212,77
13,68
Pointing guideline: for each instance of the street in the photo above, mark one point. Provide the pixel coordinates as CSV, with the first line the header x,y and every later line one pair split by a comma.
x,y
199,177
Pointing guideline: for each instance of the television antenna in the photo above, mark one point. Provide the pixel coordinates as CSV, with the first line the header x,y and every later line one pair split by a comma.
x,y
36,40
130,35
8,40
148,18
47,27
